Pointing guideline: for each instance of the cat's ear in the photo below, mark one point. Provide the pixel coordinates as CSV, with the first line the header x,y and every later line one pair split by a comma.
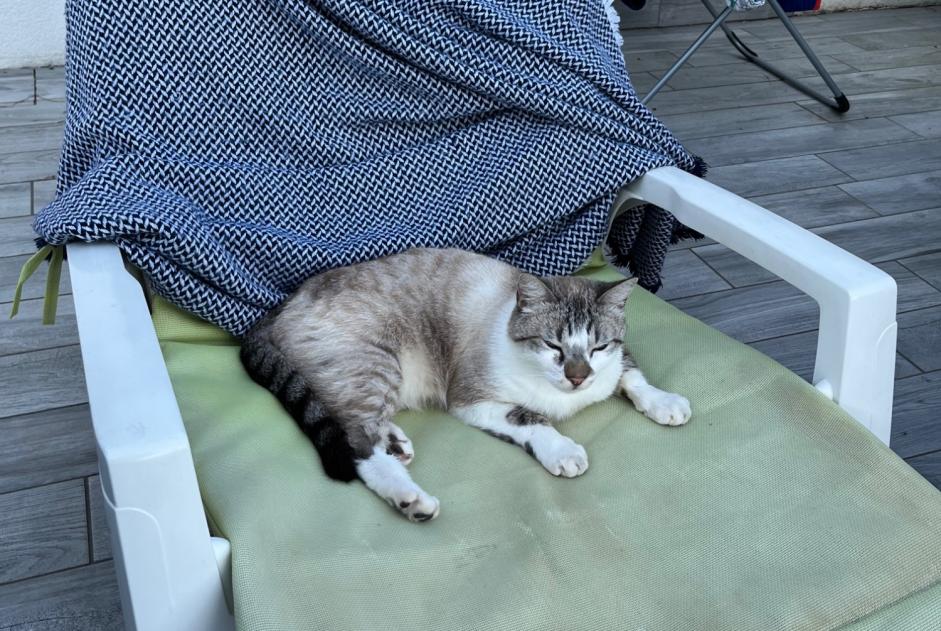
x,y
615,294
531,291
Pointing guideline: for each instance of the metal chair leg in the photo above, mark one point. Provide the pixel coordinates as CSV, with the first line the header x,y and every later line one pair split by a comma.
x,y
719,19
838,102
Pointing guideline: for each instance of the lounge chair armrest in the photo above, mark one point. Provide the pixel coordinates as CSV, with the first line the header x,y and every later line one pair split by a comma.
x,y
166,564
855,361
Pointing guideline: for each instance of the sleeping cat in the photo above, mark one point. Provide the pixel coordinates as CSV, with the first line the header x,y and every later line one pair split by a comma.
x,y
504,351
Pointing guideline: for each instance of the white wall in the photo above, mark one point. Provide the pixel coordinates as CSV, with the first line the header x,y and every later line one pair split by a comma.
x,y
32,33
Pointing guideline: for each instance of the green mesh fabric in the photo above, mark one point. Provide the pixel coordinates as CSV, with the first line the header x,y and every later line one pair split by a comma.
x,y
771,510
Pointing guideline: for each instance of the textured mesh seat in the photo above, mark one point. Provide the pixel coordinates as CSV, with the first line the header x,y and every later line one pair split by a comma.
x,y
772,509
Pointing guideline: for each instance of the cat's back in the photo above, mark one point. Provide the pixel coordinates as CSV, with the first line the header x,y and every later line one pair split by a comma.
x,y
435,274
433,287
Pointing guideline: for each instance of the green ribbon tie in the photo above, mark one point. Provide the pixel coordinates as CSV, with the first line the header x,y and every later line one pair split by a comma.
x,y
51,299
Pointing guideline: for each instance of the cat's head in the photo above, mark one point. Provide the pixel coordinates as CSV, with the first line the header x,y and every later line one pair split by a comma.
x,y
570,329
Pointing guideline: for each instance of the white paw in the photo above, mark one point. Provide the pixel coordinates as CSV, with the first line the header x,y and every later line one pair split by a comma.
x,y
662,407
561,456
397,444
417,505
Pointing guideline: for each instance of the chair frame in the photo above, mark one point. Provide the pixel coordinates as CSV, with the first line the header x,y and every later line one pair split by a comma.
x,y
173,575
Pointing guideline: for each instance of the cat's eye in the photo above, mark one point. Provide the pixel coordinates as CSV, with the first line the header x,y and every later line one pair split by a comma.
x,y
600,347
554,347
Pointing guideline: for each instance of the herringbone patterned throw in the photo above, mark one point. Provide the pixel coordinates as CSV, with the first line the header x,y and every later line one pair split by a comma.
x,y
232,149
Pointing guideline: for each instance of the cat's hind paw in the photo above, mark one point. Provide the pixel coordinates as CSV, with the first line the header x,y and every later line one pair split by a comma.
x,y
397,444
562,457
664,408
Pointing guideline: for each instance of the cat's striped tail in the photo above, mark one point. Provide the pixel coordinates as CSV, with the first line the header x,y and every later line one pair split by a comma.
x,y
269,367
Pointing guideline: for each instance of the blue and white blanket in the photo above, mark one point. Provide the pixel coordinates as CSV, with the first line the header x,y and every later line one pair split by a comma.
x,y
234,148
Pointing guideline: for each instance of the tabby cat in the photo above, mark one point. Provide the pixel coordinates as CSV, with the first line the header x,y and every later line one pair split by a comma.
x,y
504,351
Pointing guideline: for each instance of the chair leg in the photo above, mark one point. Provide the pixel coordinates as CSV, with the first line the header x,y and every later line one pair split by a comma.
x,y
838,102
719,20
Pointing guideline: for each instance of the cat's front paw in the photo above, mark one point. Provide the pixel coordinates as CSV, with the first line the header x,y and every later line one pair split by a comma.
x,y
662,407
562,456
417,505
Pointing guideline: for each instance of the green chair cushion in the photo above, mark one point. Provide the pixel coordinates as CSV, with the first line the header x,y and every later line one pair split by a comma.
x,y
772,509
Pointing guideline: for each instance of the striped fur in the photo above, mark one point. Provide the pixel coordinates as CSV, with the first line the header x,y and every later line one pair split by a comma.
x,y
267,365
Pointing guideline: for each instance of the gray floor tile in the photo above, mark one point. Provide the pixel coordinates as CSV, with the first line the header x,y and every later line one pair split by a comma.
x,y
920,338
798,353
816,207
794,141
684,274
16,87
44,192
879,102
28,166
899,193
50,84
83,599
722,97
826,48
26,332
16,236
925,124
915,426
23,138
739,71
927,267
676,38
647,60
929,466
766,177
42,380
14,200
867,81
644,81
754,313
43,113
42,530
914,292
801,67
35,287
910,38
738,120
46,447
904,368
893,237
894,58
101,535
871,163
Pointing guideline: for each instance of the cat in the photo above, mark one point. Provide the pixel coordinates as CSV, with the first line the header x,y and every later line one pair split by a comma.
x,y
504,351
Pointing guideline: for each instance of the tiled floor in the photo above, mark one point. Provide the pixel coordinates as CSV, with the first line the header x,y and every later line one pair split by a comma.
x,y
869,181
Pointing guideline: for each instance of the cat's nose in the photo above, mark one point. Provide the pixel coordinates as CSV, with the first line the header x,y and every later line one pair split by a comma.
x,y
577,372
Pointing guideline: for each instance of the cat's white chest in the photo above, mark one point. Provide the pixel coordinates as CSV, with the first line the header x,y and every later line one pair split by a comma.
x,y
536,394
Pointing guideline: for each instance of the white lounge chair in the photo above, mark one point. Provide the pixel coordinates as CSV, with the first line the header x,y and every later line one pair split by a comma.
x,y
174,575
